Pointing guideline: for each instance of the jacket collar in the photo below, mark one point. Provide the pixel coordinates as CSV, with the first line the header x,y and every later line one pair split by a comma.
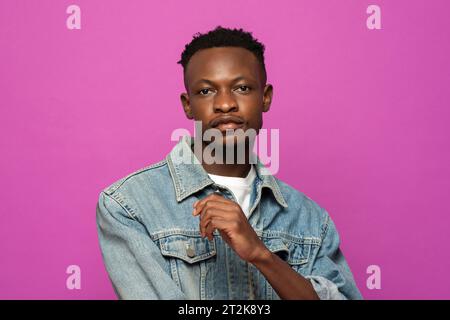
x,y
189,176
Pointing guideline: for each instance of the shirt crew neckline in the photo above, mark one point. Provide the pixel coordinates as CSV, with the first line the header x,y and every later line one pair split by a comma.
x,y
237,181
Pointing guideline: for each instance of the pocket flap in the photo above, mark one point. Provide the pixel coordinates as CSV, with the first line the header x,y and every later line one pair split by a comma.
x,y
189,248
292,252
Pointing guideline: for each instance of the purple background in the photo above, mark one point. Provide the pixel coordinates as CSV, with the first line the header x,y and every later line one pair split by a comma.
x,y
363,118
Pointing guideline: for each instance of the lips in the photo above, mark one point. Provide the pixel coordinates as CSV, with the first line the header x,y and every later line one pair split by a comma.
x,y
230,125
227,122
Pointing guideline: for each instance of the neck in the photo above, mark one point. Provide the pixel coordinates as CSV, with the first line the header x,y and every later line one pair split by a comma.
x,y
229,170
233,169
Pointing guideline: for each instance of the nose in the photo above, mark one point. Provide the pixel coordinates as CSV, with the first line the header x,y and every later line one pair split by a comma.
x,y
225,102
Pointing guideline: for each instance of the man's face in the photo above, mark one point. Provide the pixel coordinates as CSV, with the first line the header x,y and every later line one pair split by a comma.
x,y
226,82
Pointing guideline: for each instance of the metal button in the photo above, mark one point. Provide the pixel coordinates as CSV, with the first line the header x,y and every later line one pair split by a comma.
x,y
190,250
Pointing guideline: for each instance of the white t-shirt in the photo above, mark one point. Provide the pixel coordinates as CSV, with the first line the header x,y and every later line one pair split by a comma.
x,y
241,187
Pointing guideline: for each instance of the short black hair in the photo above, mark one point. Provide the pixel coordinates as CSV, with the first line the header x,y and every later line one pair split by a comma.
x,y
224,37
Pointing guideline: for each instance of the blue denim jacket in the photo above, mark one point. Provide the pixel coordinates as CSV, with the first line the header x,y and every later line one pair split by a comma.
x,y
152,247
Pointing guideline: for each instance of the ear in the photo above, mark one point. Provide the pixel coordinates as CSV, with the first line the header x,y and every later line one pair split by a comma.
x,y
267,97
184,97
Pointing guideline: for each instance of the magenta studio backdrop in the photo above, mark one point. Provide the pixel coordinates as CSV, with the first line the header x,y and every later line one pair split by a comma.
x,y
89,92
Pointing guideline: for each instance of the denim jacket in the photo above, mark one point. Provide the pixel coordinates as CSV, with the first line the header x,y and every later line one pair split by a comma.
x,y
152,247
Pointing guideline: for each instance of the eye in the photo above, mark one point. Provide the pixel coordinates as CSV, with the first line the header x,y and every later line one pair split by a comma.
x,y
202,91
245,88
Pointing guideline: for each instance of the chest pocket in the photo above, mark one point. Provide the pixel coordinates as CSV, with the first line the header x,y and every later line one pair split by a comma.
x,y
191,259
296,253
190,248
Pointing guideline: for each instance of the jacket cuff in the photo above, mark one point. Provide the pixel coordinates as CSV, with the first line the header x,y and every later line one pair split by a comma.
x,y
325,289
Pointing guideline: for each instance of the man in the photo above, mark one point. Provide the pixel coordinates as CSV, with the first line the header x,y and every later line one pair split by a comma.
x,y
198,229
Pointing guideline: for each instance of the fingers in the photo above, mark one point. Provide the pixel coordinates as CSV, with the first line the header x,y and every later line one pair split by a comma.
x,y
218,214
209,230
211,197
207,215
202,207
213,224
214,206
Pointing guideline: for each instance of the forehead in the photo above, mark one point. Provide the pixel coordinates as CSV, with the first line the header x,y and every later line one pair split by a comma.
x,y
222,64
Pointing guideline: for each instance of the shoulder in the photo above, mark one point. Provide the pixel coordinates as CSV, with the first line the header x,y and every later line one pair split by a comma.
x,y
297,198
138,180
306,209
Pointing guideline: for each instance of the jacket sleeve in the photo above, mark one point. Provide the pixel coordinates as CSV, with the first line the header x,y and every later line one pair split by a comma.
x,y
133,261
331,276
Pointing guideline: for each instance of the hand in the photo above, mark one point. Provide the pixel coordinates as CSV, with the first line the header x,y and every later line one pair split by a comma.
x,y
218,212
